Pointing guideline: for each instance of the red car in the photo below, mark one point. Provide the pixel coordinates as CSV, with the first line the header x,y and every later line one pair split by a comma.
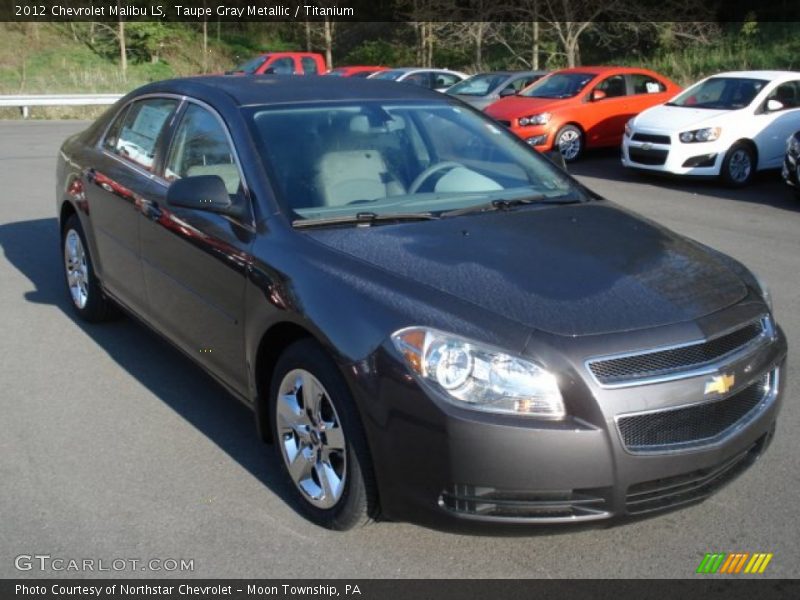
x,y
356,71
582,107
283,63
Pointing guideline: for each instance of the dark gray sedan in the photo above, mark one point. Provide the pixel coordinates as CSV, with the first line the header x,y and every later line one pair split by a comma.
x,y
430,321
482,89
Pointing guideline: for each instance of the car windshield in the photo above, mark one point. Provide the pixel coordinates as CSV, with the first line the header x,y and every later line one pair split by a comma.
x,y
558,85
478,85
251,65
721,93
333,161
391,74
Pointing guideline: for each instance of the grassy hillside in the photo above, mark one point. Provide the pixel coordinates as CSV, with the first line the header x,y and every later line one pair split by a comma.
x,y
59,58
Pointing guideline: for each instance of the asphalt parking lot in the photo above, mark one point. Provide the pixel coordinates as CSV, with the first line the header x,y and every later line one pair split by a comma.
x,y
113,445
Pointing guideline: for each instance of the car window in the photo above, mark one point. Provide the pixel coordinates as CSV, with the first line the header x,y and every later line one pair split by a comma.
x,y
309,65
613,86
644,84
445,80
559,85
787,94
282,66
200,146
395,157
135,132
422,78
721,93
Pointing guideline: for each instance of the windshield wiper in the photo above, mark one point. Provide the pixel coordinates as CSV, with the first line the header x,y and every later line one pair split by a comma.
x,y
364,218
496,204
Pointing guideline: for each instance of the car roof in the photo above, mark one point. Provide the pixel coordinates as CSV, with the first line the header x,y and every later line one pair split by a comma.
x,y
770,75
247,90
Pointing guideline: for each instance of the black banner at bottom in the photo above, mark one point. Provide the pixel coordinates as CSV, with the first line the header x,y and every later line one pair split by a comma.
x,y
385,589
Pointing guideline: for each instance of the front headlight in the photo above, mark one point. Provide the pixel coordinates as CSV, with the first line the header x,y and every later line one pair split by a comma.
x,y
540,119
766,295
707,134
475,376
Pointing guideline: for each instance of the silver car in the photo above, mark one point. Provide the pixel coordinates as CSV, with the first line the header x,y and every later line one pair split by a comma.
x,y
482,89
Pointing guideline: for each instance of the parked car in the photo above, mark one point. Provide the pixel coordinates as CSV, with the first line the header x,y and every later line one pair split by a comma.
x,y
355,71
482,89
434,79
282,63
729,125
791,162
583,107
340,255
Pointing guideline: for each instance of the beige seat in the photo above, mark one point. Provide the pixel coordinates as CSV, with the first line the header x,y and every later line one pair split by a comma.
x,y
227,171
346,176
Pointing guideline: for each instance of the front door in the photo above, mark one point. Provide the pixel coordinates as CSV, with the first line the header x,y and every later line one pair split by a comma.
x,y
196,262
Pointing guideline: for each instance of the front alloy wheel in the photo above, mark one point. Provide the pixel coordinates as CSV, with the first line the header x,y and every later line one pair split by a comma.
x,y
77,270
569,141
312,441
319,438
738,167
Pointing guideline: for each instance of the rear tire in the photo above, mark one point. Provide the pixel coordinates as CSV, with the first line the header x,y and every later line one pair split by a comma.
x,y
739,165
319,439
569,141
83,288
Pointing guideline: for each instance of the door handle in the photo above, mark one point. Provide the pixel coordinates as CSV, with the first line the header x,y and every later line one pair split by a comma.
x,y
148,208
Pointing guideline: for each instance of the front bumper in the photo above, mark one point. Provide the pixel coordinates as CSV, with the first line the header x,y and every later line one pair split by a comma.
x,y
446,467
675,157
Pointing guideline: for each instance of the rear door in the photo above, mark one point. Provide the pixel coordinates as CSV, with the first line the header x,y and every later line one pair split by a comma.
x,y
645,91
120,178
309,66
196,262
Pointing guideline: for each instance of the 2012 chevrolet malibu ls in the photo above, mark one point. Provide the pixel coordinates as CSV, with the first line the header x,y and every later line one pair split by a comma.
x,y
430,321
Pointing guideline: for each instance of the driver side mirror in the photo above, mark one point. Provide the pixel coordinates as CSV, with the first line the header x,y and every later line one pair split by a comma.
x,y
555,157
203,192
598,95
508,92
269,71
774,105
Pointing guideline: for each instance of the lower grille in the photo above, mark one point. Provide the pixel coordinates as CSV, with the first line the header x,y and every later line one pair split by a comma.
x,y
651,137
671,492
556,506
647,157
695,425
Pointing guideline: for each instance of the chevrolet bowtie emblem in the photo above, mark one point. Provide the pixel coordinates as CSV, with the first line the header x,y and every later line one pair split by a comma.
x,y
720,384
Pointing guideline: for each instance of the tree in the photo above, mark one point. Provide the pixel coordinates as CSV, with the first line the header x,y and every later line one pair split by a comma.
x,y
571,19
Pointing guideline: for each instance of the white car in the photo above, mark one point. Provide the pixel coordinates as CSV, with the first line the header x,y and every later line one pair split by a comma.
x,y
729,125
434,79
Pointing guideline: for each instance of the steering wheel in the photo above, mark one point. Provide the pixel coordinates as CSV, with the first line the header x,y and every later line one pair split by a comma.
x,y
422,177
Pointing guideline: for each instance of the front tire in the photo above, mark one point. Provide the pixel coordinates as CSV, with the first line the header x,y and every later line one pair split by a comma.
x,y
739,165
86,296
569,142
319,439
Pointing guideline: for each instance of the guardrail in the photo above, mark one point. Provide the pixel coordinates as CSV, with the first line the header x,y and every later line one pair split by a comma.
x,y
25,102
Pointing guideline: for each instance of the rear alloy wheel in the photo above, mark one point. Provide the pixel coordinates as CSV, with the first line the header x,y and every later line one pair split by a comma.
x,y
739,165
569,141
320,440
87,298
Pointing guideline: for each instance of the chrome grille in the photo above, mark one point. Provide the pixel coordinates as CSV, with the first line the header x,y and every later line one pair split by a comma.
x,y
651,137
694,425
658,363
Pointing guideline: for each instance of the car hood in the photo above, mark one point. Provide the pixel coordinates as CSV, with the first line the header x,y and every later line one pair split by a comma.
x,y
573,270
514,107
678,118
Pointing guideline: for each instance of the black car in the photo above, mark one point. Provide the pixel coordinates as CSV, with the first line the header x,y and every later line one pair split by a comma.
x,y
791,162
431,321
